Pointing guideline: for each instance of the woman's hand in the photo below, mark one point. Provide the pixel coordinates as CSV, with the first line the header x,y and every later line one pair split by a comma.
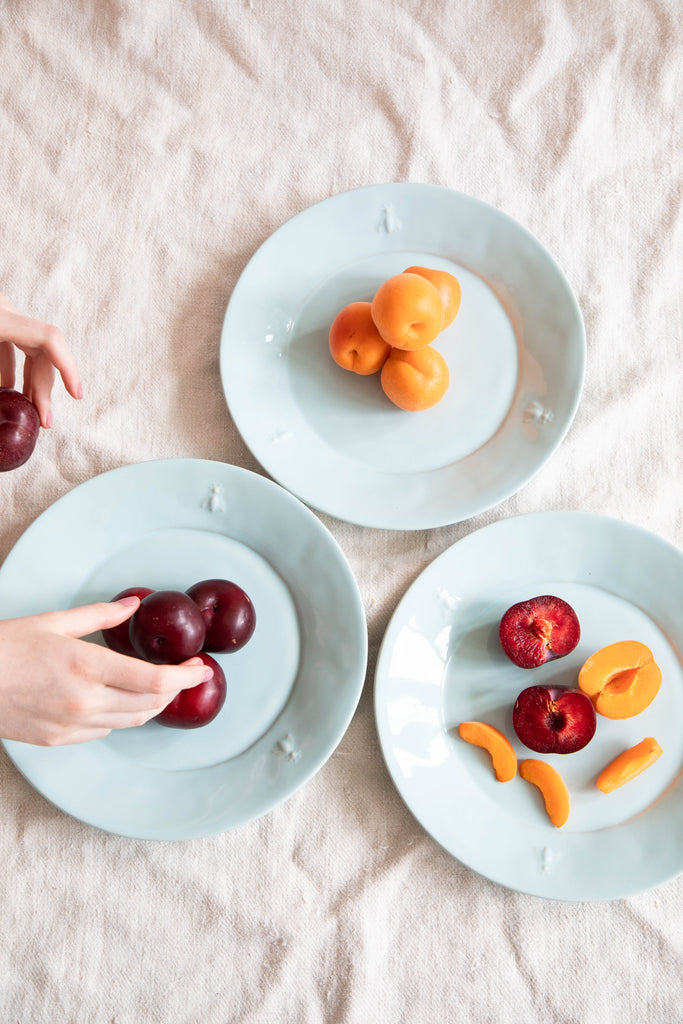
x,y
45,353
57,689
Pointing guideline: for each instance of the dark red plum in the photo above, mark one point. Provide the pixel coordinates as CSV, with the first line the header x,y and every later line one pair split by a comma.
x,y
554,719
118,637
228,614
199,705
19,429
539,629
167,628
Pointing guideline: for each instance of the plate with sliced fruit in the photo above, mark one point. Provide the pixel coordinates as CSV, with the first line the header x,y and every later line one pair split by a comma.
x,y
230,566
402,356
529,700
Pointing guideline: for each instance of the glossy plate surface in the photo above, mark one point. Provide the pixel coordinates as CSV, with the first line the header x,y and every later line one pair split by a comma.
x,y
292,690
441,663
515,352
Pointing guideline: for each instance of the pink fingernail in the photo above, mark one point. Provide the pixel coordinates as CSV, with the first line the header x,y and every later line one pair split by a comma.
x,y
127,601
207,675
79,391
48,420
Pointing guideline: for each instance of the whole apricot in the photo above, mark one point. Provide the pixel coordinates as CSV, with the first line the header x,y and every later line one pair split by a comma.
x,y
355,342
408,311
447,286
415,380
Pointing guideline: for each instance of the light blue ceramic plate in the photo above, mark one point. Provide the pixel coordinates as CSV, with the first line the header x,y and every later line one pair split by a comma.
x,y
515,352
292,690
441,664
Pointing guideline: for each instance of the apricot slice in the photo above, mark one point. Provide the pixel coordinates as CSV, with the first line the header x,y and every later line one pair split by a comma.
x,y
447,286
503,757
408,311
621,679
415,380
552,786
355,343
629,764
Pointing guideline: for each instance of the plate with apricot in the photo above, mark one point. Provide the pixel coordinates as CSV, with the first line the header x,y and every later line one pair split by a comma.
x,y
402,356
529,701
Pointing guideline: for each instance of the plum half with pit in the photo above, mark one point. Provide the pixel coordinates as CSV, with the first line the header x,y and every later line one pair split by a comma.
x,y
228,614
535,631
198,705
19,429
117,638
167,628
554,719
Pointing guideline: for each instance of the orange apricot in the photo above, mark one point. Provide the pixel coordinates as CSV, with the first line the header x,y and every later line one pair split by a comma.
x,y
629,764
355,342
408,311
621,679
447,286
552,786
415,380
503,757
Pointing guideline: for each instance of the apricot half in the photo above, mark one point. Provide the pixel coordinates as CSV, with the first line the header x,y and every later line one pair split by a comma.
x,y
629,764
447,286
408,311
355,342
552,786
621,679
503,757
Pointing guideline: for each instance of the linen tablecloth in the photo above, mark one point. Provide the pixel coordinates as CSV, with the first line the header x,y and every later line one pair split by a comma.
x,y
147,150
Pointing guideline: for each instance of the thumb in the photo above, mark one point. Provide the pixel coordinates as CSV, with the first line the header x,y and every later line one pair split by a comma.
x,y
77,622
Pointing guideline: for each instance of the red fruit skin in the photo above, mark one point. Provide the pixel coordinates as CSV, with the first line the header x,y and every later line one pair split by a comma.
x,y
19,429
554,719
199,705
538,630
118,637
228,613
167,628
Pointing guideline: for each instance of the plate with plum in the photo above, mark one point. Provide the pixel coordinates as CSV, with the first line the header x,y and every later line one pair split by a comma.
x,y
529,700
402,356
228,566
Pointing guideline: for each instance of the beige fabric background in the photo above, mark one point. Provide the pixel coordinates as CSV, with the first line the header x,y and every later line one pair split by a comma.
x,y
146,150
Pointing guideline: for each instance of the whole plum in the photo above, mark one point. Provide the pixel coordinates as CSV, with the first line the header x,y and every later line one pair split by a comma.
x,y
118,637
228,613
167,628
197,705
19,429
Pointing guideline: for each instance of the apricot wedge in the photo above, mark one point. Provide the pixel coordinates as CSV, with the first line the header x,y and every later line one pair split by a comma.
x,y
621,679
552,786
629,764
503,757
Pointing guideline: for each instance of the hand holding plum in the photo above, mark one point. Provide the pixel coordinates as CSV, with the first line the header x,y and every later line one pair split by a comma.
x,y
45,353
169,626
57,689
